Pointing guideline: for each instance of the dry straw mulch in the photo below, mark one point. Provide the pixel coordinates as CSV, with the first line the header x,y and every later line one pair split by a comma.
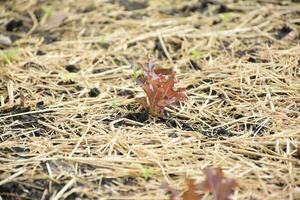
x,y
81,135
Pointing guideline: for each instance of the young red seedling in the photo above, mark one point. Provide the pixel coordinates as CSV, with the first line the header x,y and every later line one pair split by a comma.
x,y
158,84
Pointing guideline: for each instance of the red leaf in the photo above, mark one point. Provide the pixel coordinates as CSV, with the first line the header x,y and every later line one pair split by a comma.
x,y
215,182
158,84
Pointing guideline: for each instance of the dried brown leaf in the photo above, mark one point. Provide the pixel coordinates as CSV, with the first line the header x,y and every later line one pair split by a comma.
x,y
215,182
191,193
173,193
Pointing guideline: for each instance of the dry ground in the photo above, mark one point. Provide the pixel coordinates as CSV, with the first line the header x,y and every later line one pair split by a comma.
x,y
76,132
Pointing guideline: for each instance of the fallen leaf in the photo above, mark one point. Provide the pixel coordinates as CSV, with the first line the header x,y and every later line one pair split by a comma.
x,y
173,193
55,20
216,183
191,193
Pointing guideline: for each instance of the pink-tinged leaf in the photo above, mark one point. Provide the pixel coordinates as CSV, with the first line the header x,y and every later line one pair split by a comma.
x,y
149,70
179,94
161,71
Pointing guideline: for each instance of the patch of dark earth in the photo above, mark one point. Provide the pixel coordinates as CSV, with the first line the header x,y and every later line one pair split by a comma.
x,y
158,49
142,116
200,6
17,190
175,122
282,32
125,93
24,118
130,5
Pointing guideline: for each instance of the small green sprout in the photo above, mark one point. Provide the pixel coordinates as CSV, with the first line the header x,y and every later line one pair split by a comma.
x,y
135,72
197,54
147,172
225,17
9,55
47,11
103,42
114,105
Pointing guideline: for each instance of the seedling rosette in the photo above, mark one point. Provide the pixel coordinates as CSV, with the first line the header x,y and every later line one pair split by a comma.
x,y
158,84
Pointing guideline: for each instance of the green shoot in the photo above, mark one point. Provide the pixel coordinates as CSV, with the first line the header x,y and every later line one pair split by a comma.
x,y
225,17
114,105
9,55
147,173
48,11
197,54
102,40
135,72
